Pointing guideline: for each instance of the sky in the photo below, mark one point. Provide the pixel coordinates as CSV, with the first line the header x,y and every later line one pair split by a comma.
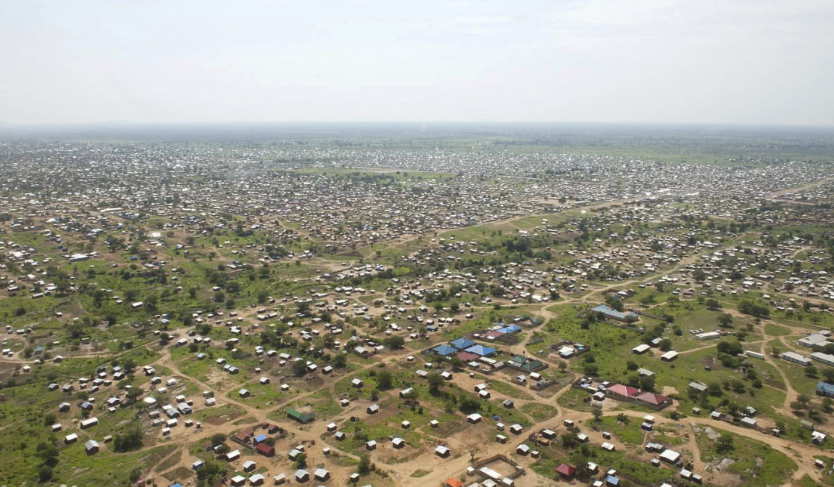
x,y
761,62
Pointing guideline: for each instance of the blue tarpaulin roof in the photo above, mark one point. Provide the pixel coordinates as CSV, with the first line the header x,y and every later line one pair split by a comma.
x,y
611,480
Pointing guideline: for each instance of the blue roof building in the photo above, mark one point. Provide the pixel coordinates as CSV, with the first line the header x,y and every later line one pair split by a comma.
x,y
481,350
825,389
510,329
444,350
462,343
611,480
260,438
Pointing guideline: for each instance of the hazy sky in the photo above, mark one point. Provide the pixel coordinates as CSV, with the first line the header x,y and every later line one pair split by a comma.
x,y
721,61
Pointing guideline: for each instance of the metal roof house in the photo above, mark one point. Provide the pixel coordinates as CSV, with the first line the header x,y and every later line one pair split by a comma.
x,y
302,418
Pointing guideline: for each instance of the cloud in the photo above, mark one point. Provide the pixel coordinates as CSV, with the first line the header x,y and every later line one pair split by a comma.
x,y
483,19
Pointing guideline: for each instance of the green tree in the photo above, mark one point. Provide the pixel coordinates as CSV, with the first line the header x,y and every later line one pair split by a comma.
x,y
384,380
365,465
299,368
45,473
724,443
128,440
435,382
394,342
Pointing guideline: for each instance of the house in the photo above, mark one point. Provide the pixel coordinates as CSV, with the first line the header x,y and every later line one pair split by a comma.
x,y
256,479
669,356
265,449
321,475
620,391
825,389
462,343
442,451
238,481
749,422
796,358
641,349
88,423
406,392
481,350
233,455
71,438
373,409
302,475
825,358
444,350
710,335
526,364
813,340
398,442
652,400
91,447
302,418
522,449
567,472
613,314
452,482
670,456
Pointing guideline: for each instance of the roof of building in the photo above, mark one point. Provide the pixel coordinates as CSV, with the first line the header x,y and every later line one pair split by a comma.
x,y
444,350
607,310
652,398
623,390
481,350
462,343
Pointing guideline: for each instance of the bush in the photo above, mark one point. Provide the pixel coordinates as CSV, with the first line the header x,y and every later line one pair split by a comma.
x,y
45,473
130,439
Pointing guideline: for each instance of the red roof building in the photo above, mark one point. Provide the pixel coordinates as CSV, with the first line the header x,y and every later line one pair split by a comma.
x,y
566,471
265,449
652,400
468,356
622,391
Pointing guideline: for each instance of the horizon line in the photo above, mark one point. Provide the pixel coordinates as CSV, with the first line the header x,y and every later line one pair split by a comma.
x,y
104,123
